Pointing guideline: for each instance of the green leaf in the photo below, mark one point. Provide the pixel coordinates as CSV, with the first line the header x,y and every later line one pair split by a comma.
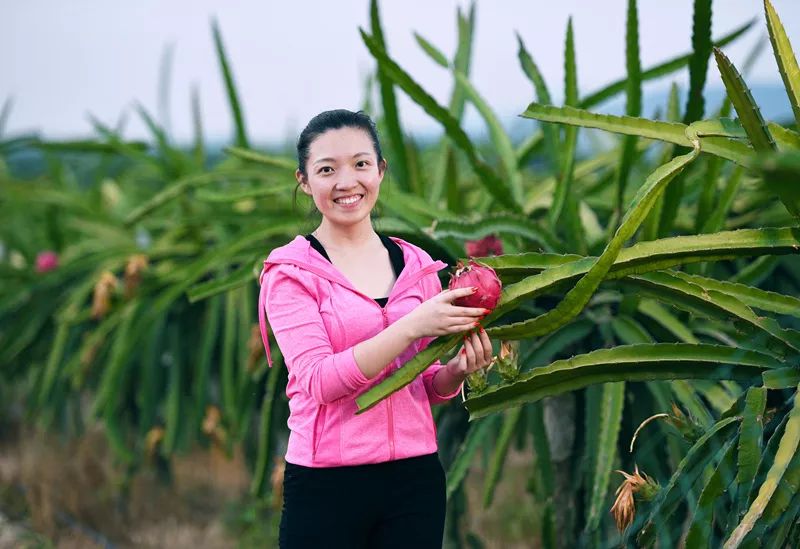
x,y
391,117
745,106
787,450
751,434
699,535
564,183
495,185
708,302
230,87
5,112
475,437
633,104
624,363
235,279
662,69
502,224
533,73
575,300
781,173
444,173
261,158
784,55
259,482
640,258
671,132
782,378
654,310
432,51
612,402
510,421
698,64
199,147
753,297
500,139
180,186
704,451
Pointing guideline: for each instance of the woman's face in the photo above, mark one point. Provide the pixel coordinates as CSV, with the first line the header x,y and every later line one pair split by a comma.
x,y
343,175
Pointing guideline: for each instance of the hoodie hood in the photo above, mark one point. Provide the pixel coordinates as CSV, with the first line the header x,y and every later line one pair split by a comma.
x,y
299,252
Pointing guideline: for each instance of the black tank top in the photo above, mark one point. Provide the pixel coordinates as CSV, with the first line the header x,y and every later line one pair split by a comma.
x,y
395,255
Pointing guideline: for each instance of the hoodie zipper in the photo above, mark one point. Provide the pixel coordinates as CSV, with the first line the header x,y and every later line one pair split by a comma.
x,y
389,412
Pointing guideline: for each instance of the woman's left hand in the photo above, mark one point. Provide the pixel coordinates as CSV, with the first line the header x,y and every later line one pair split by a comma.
x,y
476,353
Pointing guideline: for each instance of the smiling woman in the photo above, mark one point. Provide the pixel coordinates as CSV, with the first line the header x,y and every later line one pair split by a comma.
x,y
348,306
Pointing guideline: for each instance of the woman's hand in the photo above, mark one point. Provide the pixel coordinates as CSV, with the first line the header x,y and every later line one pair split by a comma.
x,y
476,353
438,316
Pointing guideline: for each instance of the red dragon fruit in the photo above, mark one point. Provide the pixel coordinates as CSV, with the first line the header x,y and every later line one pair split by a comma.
x,y
486,246
46,261
480,276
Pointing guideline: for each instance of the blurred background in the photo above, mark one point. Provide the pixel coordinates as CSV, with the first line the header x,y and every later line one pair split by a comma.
x,y
146,171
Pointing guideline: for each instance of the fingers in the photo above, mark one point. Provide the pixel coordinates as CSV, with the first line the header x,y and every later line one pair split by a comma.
x,y
477,312
469,352
487,345
450,295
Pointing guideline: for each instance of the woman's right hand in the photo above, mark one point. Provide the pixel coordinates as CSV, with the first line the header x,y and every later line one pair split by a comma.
x,y
438,316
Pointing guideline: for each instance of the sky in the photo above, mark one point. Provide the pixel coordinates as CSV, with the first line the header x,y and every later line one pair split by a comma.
x,y
63,61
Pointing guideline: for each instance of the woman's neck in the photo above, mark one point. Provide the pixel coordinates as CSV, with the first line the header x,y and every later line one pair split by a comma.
x,y
351,238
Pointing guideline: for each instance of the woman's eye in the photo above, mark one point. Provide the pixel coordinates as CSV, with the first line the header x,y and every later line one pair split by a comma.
x,y
362,163
325,169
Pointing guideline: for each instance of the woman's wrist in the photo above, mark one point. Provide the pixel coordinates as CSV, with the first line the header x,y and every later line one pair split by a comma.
x,y
445,382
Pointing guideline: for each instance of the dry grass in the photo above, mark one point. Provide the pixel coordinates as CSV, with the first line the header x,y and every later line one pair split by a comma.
x,y
69,490
76,483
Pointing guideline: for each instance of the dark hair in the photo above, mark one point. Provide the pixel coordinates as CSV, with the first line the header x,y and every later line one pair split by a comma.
x,y
333,120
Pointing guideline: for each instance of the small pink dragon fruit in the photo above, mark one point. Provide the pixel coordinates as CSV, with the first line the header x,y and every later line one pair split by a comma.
x,y
46,261
486,246
480,276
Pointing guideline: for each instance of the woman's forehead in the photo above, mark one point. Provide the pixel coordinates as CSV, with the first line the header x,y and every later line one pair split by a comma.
x,y
341,142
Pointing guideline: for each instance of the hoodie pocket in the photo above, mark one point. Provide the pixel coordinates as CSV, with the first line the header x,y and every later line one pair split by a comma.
x,y
319,428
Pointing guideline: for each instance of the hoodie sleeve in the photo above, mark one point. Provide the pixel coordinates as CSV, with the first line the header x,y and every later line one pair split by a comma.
x,y
294,319
434,287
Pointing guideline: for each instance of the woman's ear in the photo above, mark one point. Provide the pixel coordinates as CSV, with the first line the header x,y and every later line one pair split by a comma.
x,y
301,179
382,165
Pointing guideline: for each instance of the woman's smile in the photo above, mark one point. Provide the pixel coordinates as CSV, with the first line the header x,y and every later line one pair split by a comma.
x,y
349,202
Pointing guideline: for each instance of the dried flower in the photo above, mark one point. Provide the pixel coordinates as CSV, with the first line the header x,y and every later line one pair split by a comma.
x,y
624,508
133,273
486,246
101,303
211,420
46,261
212,425
151,440
255,349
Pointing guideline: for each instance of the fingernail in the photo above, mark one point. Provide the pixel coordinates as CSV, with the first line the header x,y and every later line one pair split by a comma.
x,y
463,351
474,289
477,324
486,311
482,330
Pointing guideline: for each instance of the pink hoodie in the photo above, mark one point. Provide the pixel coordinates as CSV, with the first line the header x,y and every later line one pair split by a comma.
x,y
317,318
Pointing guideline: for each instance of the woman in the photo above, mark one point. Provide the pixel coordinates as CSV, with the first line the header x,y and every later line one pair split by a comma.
x,y
348,306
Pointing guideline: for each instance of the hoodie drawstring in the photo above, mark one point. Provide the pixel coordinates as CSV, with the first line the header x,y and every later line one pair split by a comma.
x,y
262,320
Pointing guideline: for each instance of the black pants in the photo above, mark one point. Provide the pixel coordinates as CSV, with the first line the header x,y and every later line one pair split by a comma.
x,y
399,504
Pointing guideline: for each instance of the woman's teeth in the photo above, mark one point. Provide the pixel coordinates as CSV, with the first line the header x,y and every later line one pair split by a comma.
x,y
348,200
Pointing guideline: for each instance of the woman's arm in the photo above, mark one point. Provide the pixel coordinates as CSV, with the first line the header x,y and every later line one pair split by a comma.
x,y
303,339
